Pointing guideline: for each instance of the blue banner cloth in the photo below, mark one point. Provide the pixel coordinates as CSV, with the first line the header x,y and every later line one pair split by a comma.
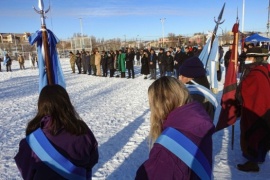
x,y
58,76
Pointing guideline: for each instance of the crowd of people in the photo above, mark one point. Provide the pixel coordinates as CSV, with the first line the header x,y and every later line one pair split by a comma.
x,y
120,63
7,61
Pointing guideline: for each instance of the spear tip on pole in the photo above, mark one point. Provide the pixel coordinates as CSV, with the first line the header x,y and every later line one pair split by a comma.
x,y
42,12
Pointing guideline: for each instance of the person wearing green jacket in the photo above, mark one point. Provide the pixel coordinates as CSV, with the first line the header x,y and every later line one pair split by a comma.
x,y
122,63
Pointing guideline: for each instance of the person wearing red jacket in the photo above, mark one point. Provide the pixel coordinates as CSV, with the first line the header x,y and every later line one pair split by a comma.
x,y
253,95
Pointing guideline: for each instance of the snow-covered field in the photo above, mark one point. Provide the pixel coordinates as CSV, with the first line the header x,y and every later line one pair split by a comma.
x,y
116,110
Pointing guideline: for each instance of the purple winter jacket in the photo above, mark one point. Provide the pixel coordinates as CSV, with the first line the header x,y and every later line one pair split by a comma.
x,y
81,150
194,122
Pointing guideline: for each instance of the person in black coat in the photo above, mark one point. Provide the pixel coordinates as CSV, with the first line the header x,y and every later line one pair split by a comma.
x,y
227,57
145,64
138,57
169,64
79,61
110,59
177,58
129,63
104,63
87,60
83,61
8,63
161,62
242,59
153,64
185,55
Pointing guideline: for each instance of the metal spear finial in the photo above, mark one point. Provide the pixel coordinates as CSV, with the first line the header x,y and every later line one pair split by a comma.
x,y
220,16
218,21
42,12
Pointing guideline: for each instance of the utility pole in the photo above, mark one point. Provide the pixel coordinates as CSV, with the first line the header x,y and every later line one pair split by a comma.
x,y
137,39
243,16
162,20
268,20
82,39
125,40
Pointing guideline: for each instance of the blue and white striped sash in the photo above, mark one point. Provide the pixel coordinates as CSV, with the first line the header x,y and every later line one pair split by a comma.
x,y
52,158
187,151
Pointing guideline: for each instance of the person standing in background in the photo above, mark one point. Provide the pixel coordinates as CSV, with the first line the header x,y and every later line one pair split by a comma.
x,y
177,58
161,62
84,64
32,61
79,62
169,64
153,64
98,62
130,63
72,60
227,57
21,61
111,63
8,62
92,63
145,64
121,63
87,59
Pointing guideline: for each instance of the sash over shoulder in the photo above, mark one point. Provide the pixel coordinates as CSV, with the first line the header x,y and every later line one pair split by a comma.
x,y
187,151
53,159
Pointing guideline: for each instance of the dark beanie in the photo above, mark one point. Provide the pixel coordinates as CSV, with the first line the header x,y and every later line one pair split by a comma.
x,y
192,68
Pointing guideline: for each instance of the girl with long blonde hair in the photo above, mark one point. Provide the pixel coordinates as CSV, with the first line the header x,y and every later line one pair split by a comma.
x,y
180,129
164,95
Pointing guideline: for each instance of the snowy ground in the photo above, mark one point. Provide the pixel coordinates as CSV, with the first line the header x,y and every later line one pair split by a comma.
x,y
117,112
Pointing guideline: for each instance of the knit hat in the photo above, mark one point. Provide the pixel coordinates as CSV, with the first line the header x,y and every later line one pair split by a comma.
x,y
192,68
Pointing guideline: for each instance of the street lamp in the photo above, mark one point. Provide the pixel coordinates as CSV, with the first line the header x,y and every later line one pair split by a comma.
x,y
138,45
162,20
125,40
81,33
268,20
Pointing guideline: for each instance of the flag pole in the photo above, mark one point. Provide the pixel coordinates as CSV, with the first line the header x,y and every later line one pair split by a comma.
x,y
227,116
45,49
236,39
218,22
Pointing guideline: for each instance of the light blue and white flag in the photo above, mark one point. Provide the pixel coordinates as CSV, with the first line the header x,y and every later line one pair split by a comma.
x,y
203,91
209,58
56,66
